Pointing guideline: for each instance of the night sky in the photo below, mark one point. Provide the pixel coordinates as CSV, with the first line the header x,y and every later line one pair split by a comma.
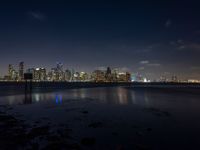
x,y
152,38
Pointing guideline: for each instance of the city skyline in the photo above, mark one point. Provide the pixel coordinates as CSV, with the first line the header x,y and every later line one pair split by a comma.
x,y
100,74
152,38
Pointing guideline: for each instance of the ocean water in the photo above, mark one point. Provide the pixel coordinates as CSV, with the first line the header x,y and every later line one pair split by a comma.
x,y
116,117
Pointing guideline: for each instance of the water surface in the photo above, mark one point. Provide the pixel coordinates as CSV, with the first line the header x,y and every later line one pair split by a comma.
x,y
115,118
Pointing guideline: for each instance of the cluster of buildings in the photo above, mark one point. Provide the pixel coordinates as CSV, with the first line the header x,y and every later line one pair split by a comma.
x,y
59,74
15,75
174,78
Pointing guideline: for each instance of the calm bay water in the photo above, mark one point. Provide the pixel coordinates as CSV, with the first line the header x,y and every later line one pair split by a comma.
x,y
116,117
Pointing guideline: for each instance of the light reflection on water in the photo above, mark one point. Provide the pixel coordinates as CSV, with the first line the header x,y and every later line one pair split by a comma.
x,y
58,99
111,96
120,96
125,107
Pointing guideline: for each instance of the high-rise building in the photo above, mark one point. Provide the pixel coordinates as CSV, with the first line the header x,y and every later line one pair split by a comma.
x,y
84,76
174,78
68,75
10,69
59,66
128,77
108,75
31,70
40,74
60,71
98,76
72,75
43,75
54,74
115,74
21,70
133,77
12,74
50,76
76,76
163,78
122,77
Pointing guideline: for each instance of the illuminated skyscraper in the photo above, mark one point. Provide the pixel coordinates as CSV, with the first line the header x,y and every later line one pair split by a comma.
x,y
12,74
76,76
98,76
174,78
31,70
72,75
128,77
40,74
163,78
122,77
60,72
108,75
59,66
68,75
115,73
43,75
54,74
10,69
21,70
84,76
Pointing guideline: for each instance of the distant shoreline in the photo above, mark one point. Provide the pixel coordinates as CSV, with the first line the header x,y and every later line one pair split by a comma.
x,y
16,88
66,85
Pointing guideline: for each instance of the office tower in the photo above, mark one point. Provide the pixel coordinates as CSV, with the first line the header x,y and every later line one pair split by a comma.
x,y
59,66
49,76
21,70
54,74
115,74
68,75
36,75
10,69
133,77
40,74
98,76
31,70
72,75
139,77
108,75
128,77
60,71
76,76
174,78
84,76
108,71
43,75
163,78
12,74
122,77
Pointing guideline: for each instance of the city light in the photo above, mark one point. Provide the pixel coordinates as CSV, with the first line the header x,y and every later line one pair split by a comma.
x,y
59,74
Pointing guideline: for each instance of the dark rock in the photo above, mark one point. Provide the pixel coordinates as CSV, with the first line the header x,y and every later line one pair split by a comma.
x,y
142,147
149,129
85,112
158,112
38,131
88,141
95,125
59,145
114,133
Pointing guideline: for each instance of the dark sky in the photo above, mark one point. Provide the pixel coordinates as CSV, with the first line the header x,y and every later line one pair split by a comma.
x,y
150,37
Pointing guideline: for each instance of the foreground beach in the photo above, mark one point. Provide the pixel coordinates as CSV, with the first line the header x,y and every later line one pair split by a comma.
x,y
101,118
